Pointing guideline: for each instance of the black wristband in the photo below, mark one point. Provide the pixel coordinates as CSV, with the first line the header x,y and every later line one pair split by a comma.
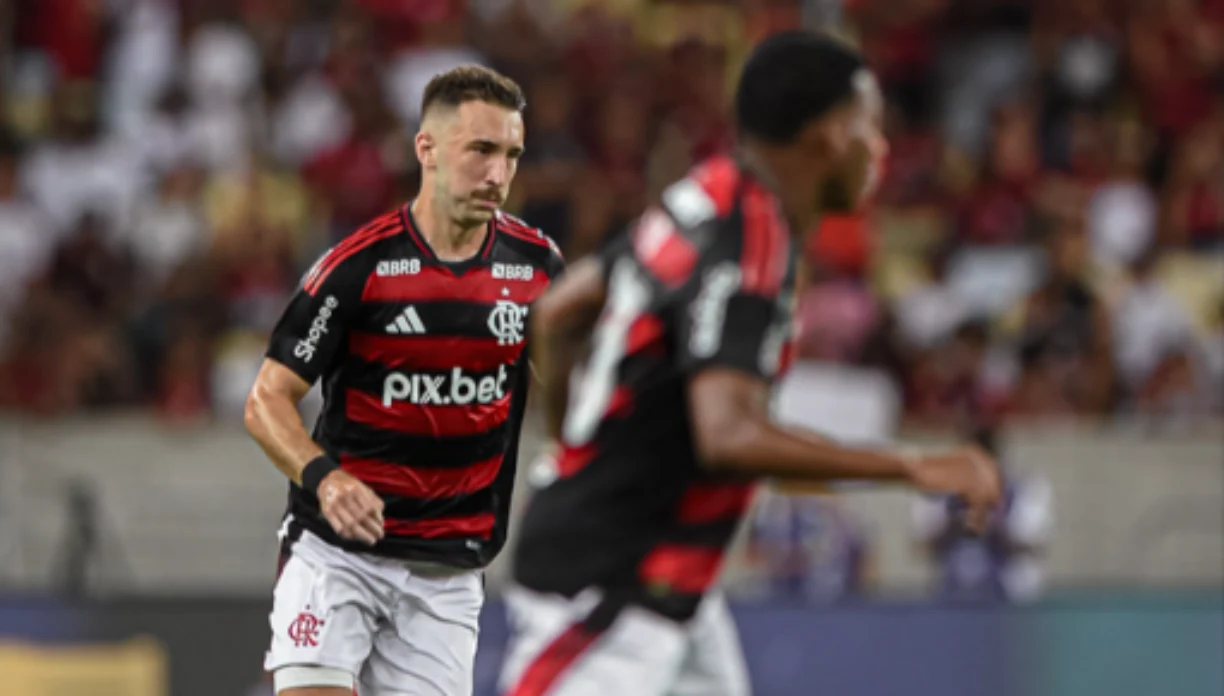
x,y
315,470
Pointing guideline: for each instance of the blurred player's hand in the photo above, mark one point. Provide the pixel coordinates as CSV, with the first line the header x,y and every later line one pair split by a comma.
x,y
352,509
968,473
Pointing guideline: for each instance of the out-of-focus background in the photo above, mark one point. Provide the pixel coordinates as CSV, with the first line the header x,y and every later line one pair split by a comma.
x,y
1043,272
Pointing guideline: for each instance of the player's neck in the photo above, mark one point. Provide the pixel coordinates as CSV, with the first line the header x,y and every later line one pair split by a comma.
x,y
448,240
789,180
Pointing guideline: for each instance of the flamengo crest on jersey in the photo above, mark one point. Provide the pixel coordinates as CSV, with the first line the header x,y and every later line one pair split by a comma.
x,y
507,321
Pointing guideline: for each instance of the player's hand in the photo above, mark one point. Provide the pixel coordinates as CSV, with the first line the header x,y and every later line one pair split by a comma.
x,y
968,473
352,509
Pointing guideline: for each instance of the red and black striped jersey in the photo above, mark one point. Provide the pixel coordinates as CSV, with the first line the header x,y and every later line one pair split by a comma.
x,y
705,279
424,377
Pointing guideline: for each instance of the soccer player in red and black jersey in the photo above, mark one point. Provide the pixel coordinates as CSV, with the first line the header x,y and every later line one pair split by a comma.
x,y
416,325
669,428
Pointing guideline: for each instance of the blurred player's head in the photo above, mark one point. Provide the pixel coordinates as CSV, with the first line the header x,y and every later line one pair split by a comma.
x,y
470,141
812,98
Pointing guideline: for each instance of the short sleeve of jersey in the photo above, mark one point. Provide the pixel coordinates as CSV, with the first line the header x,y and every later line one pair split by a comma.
x,y
313,329
724,323
555,265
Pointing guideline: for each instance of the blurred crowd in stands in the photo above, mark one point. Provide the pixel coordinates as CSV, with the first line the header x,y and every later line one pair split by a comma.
x,y
1048,240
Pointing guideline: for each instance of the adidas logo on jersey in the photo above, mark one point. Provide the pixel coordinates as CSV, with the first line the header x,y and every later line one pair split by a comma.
x,y
407,323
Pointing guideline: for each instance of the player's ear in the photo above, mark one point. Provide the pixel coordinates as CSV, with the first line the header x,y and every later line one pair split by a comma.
x,y
426,149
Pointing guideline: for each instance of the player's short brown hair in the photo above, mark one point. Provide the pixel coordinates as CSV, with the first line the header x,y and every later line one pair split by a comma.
x,y
472,83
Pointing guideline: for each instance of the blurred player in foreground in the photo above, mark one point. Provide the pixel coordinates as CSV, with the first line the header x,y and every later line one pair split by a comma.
x,y
669,428
415,323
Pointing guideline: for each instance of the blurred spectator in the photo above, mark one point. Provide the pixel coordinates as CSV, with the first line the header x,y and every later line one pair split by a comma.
x,y
358,179
71,32
930,311
809,547
306,118
1004,564
81,168
1079,47
552,162
167,230
1175,54
144,58
261,199
998,209
26,237
1150,327
71,351
1194,191
837,315
1213,358
177,165
1122,212
947,383
440,47
1065,338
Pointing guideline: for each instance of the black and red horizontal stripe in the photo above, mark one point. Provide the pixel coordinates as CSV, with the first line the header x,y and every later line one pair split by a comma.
x,y
465,527
430,352
682,568
706,517
706,502
363,441
422,480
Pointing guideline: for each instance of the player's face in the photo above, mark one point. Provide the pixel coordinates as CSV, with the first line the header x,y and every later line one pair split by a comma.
x,y
477,158
857,168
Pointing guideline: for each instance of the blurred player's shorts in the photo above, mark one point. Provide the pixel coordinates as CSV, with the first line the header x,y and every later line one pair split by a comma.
x,y
554,650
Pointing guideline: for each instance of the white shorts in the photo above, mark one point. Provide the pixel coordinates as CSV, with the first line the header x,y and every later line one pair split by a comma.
x,y
398,628
556,650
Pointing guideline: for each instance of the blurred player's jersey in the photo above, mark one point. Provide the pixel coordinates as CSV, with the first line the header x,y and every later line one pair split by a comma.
x,y
424,380
703,280
1001,564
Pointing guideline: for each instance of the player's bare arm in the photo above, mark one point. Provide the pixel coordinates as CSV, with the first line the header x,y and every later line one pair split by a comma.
x,y
732,432
560,322
272,418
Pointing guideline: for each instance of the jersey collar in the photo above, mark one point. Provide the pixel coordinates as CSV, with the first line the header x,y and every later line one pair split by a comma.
x,y
410,224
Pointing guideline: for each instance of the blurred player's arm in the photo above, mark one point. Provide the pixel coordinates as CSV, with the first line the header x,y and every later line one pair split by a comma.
x,y
307,340
730,342
561,321
561,324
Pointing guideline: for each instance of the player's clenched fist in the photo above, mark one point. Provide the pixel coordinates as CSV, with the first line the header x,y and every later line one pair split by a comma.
x,y
354,511
968,473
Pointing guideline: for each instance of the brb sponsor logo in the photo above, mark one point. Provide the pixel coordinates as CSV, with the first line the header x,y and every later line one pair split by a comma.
x,y
454,389
512,271
402,267
307,347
